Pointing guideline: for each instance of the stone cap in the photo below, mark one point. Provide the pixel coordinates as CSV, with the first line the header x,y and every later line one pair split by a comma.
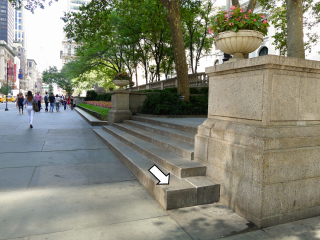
x,y
267,61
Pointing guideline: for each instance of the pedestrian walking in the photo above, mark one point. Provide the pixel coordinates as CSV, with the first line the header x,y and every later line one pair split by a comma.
x,y
57,103
39,99
29,101
68,102
46,101
20,100
51,101
71,102
65,103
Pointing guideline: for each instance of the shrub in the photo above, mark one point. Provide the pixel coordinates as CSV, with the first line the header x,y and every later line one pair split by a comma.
x,y
204,90
164,102
168,103
194,91
91,95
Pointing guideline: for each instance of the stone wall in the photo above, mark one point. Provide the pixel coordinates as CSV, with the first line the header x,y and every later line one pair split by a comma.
x,y
261,140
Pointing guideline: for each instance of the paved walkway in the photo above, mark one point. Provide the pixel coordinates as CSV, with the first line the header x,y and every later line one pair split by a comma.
x,y
59,181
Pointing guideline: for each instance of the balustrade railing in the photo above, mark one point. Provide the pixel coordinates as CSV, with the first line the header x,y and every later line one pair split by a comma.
x,y
195,80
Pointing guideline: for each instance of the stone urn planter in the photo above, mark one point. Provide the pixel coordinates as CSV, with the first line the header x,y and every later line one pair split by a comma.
x,y
239,43
121,83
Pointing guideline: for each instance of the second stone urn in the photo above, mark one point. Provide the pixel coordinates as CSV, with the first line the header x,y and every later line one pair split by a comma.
x,y
121,83
239,43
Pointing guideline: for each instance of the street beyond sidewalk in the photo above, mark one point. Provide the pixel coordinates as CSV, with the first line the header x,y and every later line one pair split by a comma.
x,y
59,181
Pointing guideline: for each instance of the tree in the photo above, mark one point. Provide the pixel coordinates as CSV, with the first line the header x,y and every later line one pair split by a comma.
x,y
311,19
294,15
174,20
52,75
5,89
196,18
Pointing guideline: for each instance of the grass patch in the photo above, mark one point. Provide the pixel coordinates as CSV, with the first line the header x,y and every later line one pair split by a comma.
x,y
101,110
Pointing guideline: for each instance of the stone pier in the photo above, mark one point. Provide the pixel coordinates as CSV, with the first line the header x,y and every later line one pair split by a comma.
x,y
120,107
261,140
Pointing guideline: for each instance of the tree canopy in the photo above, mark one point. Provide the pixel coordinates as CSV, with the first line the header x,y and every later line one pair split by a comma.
x,y
115,31
52,75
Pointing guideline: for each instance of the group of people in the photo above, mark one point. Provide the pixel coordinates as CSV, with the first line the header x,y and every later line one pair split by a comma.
x,y
58,101
37,99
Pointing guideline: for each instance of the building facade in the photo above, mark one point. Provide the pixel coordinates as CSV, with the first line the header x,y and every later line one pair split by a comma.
x,y
6,22
6,57
68,45
74,5
19,27
32,77
20,52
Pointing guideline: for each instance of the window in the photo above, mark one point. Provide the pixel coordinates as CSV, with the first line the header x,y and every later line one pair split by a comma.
x,y
263,51
19,34
20,28
69,47
20,21
19,14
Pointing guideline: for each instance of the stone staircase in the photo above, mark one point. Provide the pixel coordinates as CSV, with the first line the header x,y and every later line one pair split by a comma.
x,y
143,142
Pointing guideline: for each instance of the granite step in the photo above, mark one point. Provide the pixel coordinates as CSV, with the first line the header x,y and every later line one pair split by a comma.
x,y
164,131
182,149
171,161
93,121
165,122
180,192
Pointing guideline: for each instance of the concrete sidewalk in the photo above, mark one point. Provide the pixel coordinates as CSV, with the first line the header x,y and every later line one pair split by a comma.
x,y
60,181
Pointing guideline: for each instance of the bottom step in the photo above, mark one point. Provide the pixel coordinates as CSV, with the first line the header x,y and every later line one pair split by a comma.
x,y
181,192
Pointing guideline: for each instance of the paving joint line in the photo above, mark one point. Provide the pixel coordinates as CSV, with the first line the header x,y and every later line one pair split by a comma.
x,y
91,149
31,177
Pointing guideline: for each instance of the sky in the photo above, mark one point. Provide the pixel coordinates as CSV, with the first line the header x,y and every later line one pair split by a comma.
x,y
44,33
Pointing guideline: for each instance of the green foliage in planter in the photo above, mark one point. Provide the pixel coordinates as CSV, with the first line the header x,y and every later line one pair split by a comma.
x,y
101,110
91,95
168,103
194,91
199,105
104,97
204,90
164,102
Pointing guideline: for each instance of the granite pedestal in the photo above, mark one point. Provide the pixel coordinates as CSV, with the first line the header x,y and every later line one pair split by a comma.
x,y
261,140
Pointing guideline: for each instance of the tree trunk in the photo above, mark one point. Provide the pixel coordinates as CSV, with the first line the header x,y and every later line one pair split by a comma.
x,y
295,44
235,3
252,5
178,46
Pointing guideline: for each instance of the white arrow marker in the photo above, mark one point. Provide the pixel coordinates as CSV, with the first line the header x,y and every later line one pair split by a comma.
x,y
163,179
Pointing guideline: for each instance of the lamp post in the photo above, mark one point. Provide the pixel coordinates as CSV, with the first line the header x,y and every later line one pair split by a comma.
x,y
152,71
9,72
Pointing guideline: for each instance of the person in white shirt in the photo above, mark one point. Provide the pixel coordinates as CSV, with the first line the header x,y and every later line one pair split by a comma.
x,y
57,103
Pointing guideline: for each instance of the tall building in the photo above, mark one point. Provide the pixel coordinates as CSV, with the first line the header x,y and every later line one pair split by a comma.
x,y
69,46
19,29
6,22
6,39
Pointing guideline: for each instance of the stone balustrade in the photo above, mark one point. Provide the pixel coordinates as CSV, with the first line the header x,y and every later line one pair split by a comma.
x,y
195,80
